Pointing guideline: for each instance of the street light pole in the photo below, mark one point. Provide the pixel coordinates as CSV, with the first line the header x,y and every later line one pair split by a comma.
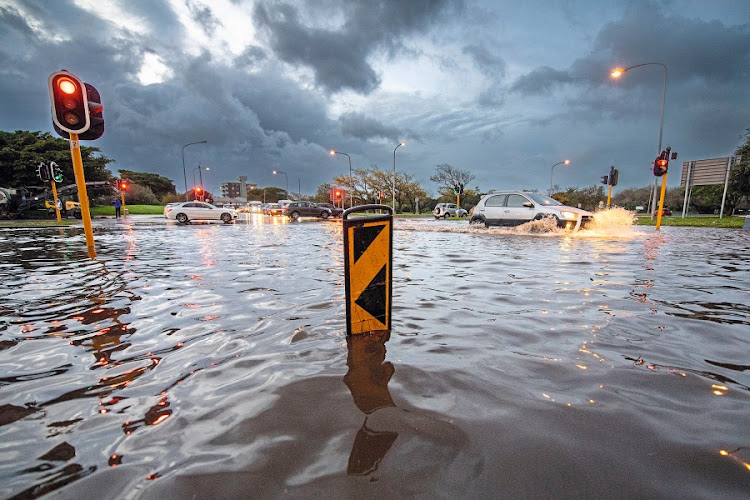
x,y
394,175
553,173
351,182
619,72
183,165
287,180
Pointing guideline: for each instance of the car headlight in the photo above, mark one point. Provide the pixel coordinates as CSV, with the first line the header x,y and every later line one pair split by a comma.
x,y
568,215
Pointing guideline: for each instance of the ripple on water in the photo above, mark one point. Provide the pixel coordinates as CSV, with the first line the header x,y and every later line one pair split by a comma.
x,y
212,360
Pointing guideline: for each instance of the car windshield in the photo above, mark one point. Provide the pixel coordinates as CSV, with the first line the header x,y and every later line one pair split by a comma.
x,y
542,199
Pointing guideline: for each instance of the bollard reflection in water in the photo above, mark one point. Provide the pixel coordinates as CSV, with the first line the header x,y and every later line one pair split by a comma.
x,y
367,379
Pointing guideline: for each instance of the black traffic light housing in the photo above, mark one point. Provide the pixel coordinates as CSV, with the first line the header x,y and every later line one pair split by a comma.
x,y
76,107
55,172
613,176
661,164
43,171
605,179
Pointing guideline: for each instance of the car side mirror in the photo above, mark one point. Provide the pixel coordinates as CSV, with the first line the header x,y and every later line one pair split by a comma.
x,y
528,204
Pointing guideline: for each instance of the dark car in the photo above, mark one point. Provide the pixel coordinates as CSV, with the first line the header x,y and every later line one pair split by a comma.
x,y
335,211
297,209
665,212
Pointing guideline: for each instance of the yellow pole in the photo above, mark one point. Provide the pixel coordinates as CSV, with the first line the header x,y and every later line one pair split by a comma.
x,y
54,193
83,197
609,195
122,199
661,200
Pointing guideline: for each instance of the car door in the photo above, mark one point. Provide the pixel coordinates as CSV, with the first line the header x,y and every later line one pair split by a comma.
x,y
207,212
493,209
518,210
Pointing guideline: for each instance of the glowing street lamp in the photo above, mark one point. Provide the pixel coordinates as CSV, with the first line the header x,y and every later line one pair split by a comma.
x,y
287,180
394,174
565,162
618,72
183,165
351,183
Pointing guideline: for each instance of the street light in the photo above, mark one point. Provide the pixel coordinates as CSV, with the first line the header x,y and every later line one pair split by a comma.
x,y
183,165
566,162
200,175
618,72
287,180
351,184
394,174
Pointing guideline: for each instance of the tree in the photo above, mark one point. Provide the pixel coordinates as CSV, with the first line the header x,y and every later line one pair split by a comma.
x,y
270,194
739,178
21,151
159,186
449,178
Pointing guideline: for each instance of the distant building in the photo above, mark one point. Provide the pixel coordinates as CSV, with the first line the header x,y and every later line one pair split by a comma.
x,y
236,190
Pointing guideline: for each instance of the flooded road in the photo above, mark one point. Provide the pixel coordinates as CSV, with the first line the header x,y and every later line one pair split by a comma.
x,y
211,361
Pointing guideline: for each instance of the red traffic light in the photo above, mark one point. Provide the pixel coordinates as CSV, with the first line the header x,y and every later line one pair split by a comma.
x,y
70,110
199,190
338,194
123,185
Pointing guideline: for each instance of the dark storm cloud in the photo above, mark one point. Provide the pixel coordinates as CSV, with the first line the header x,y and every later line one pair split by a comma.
x,y
339,58
203,15
691,48
251,56
362,127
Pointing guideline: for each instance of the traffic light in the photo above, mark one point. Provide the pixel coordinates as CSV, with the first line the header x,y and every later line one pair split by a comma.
x,y
76,107
661,164
70,107
605,179
55,172
123,185
96,119
461,188
42,171
613,175
337,194
198,190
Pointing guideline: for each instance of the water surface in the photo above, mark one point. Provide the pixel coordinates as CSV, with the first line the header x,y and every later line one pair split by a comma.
x,y
212,360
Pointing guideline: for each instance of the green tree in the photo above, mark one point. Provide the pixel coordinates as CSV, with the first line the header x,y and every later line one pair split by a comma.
x,y
270,194
159,186
448,178
21,151
739,178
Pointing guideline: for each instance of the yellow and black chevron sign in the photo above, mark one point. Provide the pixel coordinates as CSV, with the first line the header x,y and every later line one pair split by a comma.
x,y
367,267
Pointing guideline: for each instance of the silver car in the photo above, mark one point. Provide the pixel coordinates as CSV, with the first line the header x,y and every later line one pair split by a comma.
x,y
198,210
512,208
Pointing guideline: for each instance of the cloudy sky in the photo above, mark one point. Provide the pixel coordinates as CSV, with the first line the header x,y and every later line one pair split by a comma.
x,y
503,89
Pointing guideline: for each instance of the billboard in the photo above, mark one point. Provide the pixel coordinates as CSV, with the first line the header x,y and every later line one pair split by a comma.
x,y
708,172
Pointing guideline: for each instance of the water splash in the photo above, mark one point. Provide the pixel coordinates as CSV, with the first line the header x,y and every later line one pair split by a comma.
x,y
614,222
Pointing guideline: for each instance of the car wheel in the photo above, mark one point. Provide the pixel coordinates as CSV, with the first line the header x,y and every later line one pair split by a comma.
x,y
476,222
227,218
446,215
294,215
324,215
181,218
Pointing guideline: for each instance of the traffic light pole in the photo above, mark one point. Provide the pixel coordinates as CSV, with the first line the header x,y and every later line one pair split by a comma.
x,y
54,194
122,200
83,198
661,200
609,195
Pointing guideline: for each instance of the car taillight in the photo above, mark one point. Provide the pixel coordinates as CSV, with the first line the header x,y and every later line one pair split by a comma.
x,y
167,210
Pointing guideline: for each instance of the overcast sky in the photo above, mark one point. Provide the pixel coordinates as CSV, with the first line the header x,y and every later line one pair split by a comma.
x,y
503,89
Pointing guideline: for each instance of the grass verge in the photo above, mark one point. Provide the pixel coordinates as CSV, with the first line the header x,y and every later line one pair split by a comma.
x,y
727,222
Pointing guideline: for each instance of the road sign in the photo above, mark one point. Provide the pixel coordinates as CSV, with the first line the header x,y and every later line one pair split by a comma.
x,y
368,257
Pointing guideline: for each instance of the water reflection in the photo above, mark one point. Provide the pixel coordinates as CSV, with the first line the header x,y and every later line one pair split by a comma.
x,y
367,380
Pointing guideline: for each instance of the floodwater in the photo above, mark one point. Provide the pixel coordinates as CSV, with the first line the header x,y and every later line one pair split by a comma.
x,y
211,361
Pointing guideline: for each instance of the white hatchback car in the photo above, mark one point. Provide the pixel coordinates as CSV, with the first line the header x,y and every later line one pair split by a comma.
x,y
198,210
512,208
446,210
